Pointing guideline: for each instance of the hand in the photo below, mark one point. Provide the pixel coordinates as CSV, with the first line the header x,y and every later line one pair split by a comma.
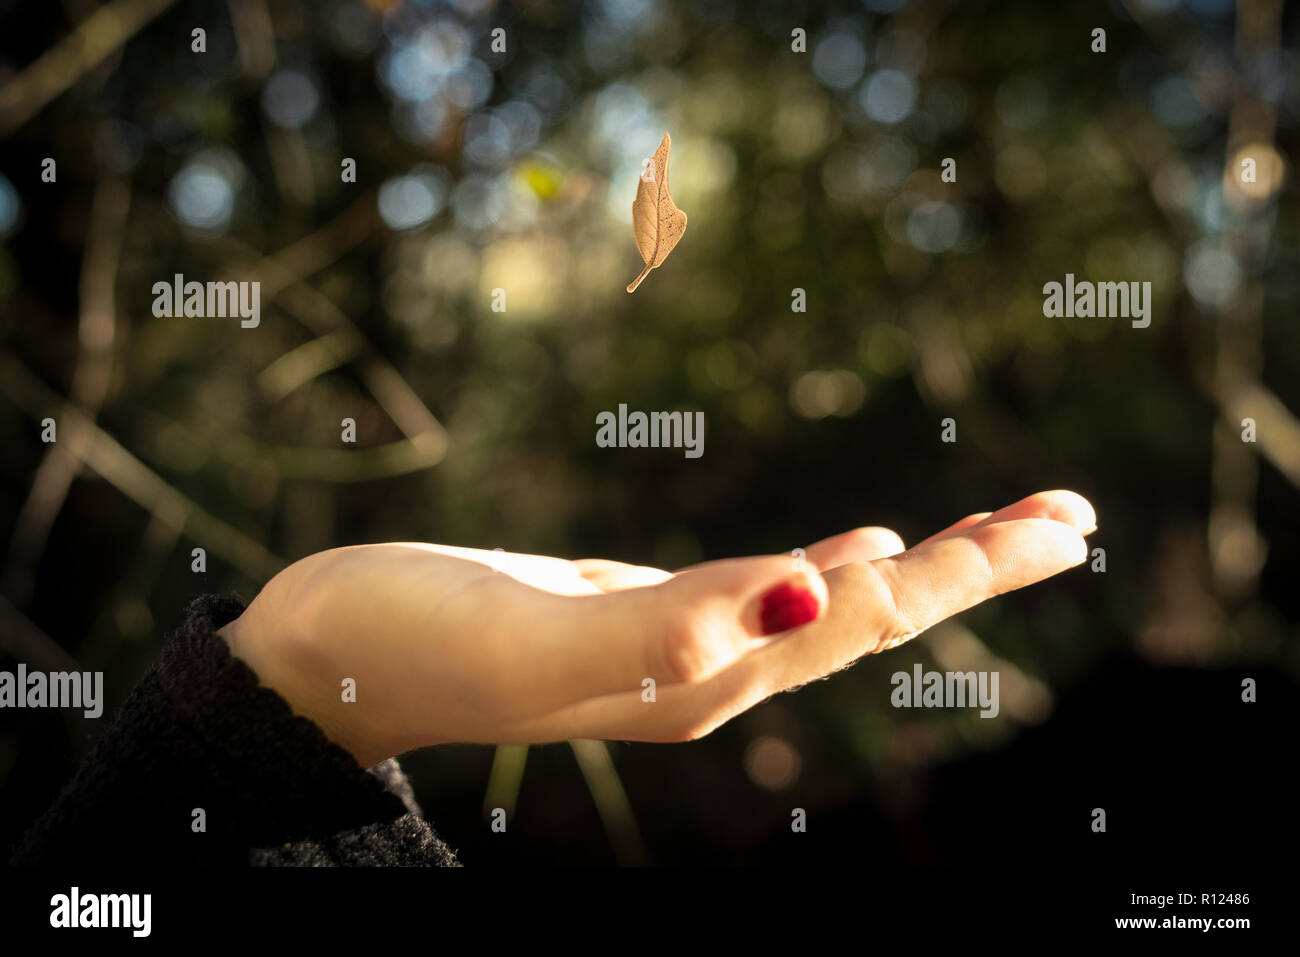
x,y
453,644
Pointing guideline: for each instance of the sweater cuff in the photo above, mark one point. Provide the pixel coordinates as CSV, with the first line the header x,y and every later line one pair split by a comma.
x,y
268,766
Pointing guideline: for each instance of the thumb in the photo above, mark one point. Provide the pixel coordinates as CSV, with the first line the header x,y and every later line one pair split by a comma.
x,y
684,629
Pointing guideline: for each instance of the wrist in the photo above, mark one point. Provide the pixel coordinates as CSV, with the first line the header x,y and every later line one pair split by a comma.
x,y
290,663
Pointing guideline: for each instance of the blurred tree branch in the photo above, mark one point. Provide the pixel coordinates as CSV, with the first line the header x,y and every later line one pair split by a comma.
x,y
56,70
133,478
611,800
90,382
283,276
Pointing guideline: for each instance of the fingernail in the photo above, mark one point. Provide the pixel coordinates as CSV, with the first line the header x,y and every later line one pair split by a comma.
x,y
787,606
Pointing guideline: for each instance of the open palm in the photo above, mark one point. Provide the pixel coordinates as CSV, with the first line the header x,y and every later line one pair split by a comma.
x,y
450,644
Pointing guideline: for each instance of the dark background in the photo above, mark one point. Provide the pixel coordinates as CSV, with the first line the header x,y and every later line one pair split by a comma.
x,y
818,171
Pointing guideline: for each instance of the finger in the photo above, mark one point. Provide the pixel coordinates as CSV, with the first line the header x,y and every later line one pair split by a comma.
x,y
684,629
970,521
615,576
910,592
858,545
1060,505
872,606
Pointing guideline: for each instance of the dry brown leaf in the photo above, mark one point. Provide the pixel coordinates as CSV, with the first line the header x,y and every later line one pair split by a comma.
x,y
656,221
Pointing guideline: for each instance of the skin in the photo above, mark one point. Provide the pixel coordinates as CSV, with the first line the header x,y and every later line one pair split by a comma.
x,y
454,644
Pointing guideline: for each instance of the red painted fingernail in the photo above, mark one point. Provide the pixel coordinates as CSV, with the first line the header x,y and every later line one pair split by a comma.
x,y
787,606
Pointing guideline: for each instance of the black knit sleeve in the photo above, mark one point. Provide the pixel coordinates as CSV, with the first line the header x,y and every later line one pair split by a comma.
x,y
198,733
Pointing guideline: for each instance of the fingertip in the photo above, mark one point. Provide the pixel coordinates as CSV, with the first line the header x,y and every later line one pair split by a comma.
x,y
1071,508
800,596
876,542
1066,538
792,604
1029,549
863,544
757,593
1078,549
